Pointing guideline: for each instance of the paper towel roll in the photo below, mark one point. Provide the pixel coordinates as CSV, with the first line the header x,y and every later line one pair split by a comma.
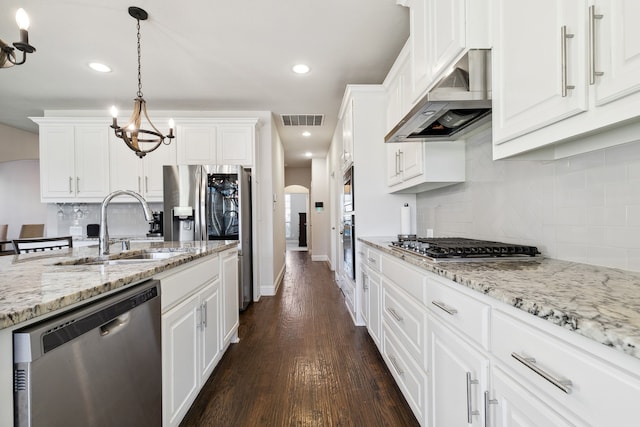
x,y
405,219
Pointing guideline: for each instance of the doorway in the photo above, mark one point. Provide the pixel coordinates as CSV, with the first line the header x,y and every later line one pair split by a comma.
x,y
296,208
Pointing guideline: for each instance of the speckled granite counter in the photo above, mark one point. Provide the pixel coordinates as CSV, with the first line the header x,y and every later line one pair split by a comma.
x,y
32,285
597,302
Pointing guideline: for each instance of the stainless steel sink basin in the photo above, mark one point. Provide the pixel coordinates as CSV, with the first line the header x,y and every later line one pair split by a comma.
x,y
133,257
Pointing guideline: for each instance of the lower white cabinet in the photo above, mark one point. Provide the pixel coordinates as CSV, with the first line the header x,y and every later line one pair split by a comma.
x,y
459,378
200,316
372,293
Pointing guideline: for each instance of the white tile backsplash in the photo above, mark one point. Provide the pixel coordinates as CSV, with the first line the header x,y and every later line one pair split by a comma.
x,y
585,208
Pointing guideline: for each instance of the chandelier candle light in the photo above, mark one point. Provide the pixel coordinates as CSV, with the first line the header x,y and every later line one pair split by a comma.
x,y
7,54
142,141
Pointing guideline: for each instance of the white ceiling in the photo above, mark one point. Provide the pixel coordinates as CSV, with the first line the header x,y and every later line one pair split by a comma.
x,y
202,55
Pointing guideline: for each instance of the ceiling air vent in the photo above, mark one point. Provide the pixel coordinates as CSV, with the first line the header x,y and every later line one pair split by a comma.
x,y
302,119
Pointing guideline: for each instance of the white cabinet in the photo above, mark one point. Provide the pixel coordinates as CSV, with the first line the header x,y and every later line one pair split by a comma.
x,y
371,297
347,135
413,167
74,161
230,296
562,96
216,141
459,378
397,84
144,176
441,30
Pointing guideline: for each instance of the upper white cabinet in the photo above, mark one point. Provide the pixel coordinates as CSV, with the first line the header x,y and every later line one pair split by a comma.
x,y
565,73
441,30
228,141
397,84
74,160
347,135
144,176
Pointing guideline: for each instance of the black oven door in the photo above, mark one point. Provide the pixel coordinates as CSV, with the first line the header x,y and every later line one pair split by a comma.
x,y
349,246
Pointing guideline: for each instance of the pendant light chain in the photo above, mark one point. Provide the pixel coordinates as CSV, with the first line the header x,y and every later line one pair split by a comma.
x,y
139,66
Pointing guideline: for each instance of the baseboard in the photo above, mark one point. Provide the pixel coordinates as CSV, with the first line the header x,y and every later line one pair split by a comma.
x,y
273,289
319,258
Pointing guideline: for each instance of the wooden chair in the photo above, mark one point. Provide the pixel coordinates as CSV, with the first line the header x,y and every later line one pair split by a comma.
x,y
31,230
3,231
23,246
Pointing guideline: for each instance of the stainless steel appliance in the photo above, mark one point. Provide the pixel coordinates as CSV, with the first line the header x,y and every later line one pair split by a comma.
x,y
155,226
211,202
461,249
99,365
349,245
459,103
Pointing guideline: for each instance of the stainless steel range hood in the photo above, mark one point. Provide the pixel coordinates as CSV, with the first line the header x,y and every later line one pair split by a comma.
x,y
459,103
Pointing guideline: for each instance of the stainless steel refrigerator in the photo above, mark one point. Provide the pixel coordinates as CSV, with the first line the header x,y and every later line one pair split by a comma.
x,y
211,202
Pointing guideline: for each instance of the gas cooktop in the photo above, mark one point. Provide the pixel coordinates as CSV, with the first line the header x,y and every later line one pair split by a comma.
x,y
462,249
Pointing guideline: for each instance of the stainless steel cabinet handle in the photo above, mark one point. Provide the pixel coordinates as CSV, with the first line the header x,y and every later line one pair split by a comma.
x,y
488,401
146,184
530,362
397,162
394,314
361,253
592,45
139,186
401,161
470,411
364,281
77,185
394,362
204,315
564,36
371,260
444,307
70,185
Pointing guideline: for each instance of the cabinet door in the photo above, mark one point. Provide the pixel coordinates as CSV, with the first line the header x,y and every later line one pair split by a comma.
x,y
446,22
153,163
180,375
375,315
197,144
617,48
230,297
411,159
210,329
366,297
125,168
235,144
393,165
528,65
92,161
420,38
514,406
57,162
459,377
347,135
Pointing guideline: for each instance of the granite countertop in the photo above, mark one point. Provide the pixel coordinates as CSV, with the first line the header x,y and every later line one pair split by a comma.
x,y
35,284
597,302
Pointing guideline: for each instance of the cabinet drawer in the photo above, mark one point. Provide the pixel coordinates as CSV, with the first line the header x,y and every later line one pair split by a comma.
x,y
408,375
460,311
599,392
176,287
406,318
410,280
373,259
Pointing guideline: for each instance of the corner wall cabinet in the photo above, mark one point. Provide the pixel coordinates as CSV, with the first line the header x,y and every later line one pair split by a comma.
x,y
565,74
144,176
74,160
228,141
451,351
194,312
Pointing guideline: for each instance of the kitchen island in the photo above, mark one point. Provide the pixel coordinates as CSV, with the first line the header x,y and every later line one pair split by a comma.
x,y
550,341
40,285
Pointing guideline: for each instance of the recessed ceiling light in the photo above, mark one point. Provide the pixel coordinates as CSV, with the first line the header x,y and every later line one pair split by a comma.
x,y
101,68
306,133
308,154
301,69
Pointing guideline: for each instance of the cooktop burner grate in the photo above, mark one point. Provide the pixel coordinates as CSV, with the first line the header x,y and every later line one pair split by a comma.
x,y
442,248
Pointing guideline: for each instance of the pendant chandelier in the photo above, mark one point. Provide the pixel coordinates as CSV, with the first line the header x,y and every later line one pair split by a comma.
x,y
7,54
142,141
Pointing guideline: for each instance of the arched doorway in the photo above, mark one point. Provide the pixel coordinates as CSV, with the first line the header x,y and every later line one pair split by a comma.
x,y
296,218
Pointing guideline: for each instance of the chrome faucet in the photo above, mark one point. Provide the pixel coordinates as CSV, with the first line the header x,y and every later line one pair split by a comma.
x,y
103,240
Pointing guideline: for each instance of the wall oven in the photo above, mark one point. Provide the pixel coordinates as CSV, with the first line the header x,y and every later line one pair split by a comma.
x,y
347,190
349,245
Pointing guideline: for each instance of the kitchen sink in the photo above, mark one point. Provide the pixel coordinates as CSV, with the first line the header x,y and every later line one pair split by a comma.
x,y
133,257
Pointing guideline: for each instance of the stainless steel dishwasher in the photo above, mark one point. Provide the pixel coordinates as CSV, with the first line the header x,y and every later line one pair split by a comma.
x,y
99,365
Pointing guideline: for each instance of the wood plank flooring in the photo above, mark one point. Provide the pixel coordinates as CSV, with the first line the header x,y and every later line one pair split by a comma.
x,y
301,362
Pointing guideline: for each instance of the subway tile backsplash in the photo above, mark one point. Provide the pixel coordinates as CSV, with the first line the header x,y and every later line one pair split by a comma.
x,y
584,208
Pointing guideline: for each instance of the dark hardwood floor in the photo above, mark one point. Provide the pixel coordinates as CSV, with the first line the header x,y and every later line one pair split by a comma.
x,y
301,362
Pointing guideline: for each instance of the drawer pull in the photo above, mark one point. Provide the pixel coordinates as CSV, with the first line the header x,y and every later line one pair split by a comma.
x,y
488,401
444,307
371,260
470,411
394,362
394,314
564,36
530,362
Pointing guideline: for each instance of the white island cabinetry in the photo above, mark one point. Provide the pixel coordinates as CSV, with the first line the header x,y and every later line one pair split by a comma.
x,y
195,319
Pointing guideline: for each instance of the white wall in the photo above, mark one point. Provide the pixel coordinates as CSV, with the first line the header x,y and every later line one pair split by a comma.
x,y
319,218
297,176
20,192
584,208
16,144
